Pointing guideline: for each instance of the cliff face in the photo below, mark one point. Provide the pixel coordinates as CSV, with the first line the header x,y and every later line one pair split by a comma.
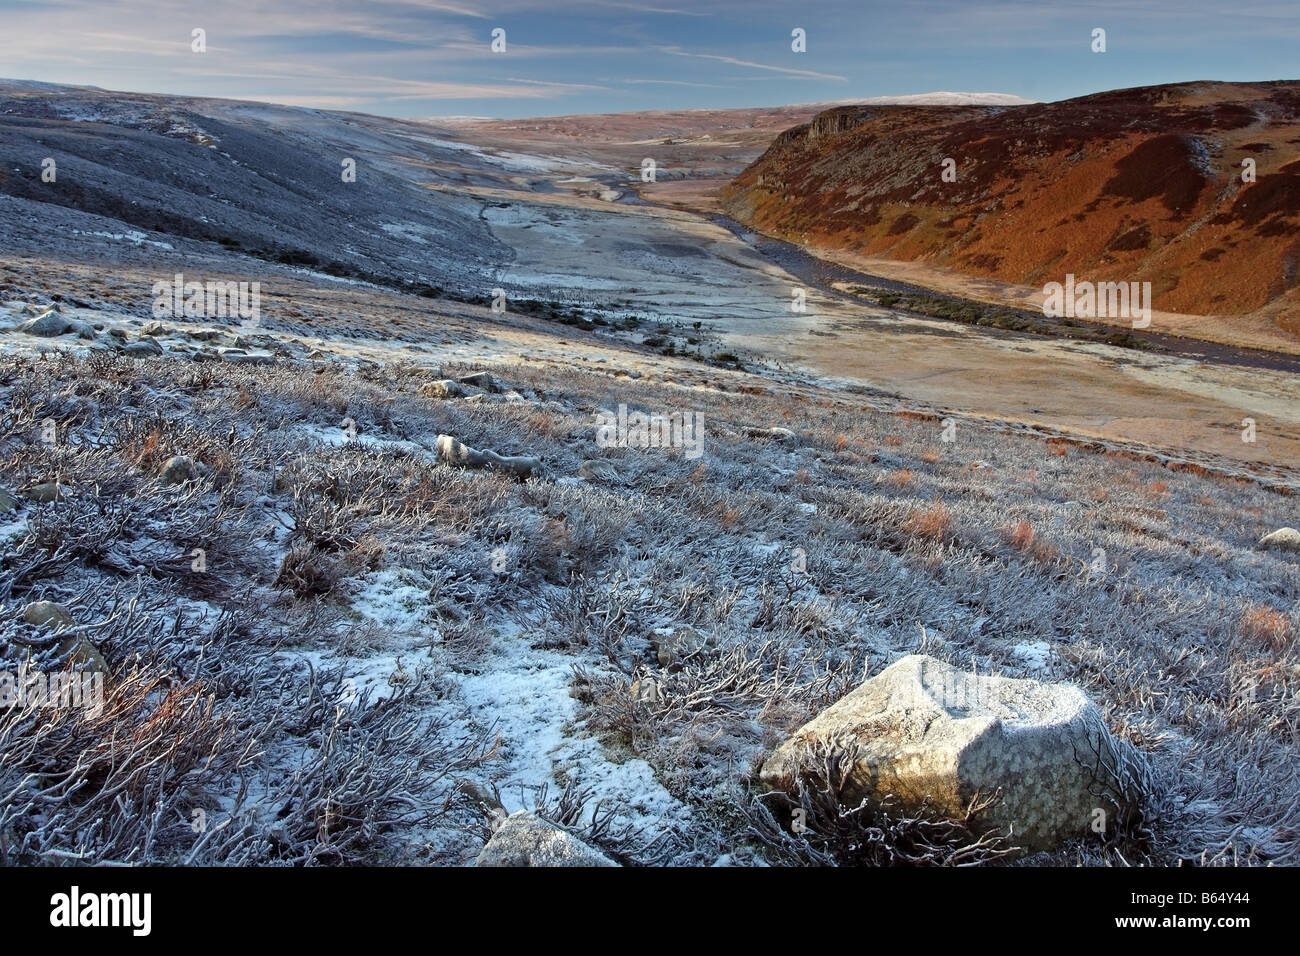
x,y
1133,185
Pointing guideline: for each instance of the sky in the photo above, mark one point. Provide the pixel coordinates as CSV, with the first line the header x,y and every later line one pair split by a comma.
x,y
435,57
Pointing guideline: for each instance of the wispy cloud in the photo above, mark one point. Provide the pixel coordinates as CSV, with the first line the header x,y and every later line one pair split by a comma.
x,y
715,86
734,61
406,56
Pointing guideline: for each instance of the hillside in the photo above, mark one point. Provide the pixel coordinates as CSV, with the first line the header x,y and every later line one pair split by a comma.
x,y
1131,185
380,653
338,639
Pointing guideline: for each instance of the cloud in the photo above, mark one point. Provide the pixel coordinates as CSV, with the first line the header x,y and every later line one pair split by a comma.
x,y
715,86
788,71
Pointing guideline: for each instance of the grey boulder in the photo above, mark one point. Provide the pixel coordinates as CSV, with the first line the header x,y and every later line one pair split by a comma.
x,y
1283,539
923,736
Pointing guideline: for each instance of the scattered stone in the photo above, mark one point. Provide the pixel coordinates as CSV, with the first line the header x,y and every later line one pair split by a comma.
x,y
240,357
454,452
479,380
47,614
675,646
50,325
145,346
600,468
443,388
84,653
177,470
777,434
45,492
205,335
1283,539
525,839
155,328
931,737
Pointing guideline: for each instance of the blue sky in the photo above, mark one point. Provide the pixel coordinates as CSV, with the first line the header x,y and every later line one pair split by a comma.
x,y
433,57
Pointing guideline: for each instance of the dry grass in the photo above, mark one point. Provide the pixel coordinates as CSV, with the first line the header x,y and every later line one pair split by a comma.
x,y
899,478
1263,626
1180,637
1026,540
931,523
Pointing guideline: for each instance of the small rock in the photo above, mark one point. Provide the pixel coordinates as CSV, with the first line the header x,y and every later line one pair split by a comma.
x,y
154,328
601,468
479,380
46,492
8,502
777,434
84,653
177,470
47,614
147,346
444,388
525,839
240,357
672,649
1283,539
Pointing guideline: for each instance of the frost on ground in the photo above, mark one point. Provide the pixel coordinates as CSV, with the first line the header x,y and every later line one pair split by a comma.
x,y
379,655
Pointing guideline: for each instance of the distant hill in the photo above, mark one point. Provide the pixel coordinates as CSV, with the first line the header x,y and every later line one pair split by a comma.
x,y
1134,185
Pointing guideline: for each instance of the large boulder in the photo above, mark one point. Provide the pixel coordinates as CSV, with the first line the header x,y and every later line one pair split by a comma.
x,y
525,839
1283,539
51,324
923,736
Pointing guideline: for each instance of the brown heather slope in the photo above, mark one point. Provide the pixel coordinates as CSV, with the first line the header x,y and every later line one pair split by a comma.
x,y
1132,185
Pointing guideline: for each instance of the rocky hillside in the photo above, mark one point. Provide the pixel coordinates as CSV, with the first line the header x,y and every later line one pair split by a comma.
x,y
91,174
1133,185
